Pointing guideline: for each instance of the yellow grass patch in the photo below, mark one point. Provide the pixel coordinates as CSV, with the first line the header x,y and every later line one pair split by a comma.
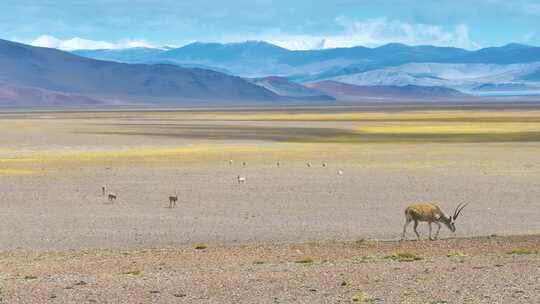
x,y
456,128
17,172
18,160
195,152
359,116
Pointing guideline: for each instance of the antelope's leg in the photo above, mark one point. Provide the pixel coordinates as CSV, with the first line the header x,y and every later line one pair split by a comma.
x,y
416,231
430,232
407,221
438,229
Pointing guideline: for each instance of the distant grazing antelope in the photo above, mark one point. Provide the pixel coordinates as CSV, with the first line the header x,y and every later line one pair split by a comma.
x,y
308,164
230,162
173,199
103,189
112,197
340,172
324,165
278,164
244,164
431,213
241,179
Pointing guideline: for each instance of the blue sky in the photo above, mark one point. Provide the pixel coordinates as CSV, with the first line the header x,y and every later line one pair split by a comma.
x,y
295,24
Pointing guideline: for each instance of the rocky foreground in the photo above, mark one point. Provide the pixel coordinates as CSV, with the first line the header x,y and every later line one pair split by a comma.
x,y
472,270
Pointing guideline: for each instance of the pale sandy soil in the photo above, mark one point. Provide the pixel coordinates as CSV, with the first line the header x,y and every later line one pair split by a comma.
x,y
52,167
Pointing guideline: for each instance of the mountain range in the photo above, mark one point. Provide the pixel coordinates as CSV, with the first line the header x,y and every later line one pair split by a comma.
x,y
284,87
348,92
62,72
505,67
256,72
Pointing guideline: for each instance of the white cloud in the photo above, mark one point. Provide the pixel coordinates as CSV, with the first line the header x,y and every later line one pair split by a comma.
x,y
377,32
77,43
370,33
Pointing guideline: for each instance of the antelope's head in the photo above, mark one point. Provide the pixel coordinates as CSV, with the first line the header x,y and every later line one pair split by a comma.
x,y
450,221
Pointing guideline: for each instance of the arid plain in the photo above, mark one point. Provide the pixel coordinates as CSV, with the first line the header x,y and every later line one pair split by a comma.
x,y
53,164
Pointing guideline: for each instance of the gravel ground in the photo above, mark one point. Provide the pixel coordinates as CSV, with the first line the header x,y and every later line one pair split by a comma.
x,y
61,241
477,270
64,210
58,204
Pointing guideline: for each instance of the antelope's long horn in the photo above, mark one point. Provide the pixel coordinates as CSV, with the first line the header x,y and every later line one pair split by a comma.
x,y
458,210
455,211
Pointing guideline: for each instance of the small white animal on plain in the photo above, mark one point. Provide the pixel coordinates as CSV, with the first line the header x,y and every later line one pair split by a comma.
x,y
230,162
340,172
112,197
308,164
241,179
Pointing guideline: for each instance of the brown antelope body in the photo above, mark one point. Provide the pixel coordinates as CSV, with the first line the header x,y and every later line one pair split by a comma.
x,y
112,197
430,213
173,199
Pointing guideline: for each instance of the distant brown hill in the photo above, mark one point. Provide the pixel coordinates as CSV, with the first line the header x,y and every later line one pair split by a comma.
x,y
284,87
17,96
65,73
344,91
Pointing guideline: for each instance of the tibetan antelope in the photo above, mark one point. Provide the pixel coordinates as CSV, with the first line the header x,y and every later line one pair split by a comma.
x,y
112,197
244,164
173,199
340,172
241,179
308,164
103,189
278,163
431,213
324,165
230,162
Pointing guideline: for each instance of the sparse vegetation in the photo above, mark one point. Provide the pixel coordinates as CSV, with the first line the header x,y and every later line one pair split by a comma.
x,y
30,277
360,242
305,260
404,257
362,259
133,272
456,254
523,251
258,263
362,297
200,246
